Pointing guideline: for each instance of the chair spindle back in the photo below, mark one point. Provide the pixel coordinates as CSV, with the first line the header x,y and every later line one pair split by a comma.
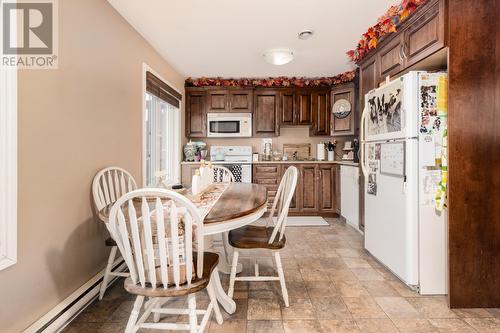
x,y
157,243
223,174
109,184
281,203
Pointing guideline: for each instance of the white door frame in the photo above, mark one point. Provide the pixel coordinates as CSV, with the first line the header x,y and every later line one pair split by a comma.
x,y
147,68
8,167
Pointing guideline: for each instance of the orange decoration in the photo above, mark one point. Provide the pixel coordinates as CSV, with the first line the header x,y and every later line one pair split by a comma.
x,y
281,81
386,24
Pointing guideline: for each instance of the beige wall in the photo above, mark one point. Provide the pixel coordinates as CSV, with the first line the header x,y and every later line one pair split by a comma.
x,y
73,121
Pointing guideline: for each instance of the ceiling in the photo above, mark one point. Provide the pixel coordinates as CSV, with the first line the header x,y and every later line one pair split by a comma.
x,y
228,37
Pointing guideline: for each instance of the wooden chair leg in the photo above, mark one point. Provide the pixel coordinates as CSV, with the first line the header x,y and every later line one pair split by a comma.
x,y
156,315
281,275
232,277
215,303
132,320
107,273
193,320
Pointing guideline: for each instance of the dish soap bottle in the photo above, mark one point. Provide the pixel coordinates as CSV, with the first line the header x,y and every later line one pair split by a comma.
x,y
196,183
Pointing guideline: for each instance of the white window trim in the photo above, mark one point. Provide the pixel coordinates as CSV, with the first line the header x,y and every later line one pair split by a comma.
x,y
8,167
147,68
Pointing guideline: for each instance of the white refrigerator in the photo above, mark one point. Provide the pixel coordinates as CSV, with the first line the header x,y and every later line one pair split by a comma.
x,y
401,146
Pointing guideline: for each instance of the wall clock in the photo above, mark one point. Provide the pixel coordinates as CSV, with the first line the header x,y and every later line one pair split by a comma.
x,y
341,108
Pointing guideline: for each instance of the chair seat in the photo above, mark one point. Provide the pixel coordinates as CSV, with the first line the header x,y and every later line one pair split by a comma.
x,y
110,242
210,261
255,237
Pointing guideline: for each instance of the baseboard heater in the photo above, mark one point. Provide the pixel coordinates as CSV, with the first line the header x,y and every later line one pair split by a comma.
x,y
62,314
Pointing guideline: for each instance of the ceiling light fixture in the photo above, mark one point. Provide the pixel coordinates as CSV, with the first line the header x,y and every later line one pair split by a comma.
x,y
305,34
278,56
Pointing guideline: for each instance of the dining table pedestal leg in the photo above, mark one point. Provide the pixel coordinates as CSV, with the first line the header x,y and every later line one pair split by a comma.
x,y
224,251
224,300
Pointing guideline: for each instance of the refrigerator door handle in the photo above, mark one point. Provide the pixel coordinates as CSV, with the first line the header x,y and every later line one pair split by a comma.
x,y
362,142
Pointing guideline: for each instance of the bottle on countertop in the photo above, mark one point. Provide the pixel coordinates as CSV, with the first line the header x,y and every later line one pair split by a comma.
x,y
196,183
203,175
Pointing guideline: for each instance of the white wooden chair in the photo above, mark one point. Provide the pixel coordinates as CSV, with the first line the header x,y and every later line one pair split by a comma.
x,y
110,184
223,174
266,237
154,230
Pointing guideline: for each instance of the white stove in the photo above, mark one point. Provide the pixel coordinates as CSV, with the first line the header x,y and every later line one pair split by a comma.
x,y
238,159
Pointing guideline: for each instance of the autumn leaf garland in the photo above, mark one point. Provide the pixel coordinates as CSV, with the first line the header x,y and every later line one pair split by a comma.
x,y
277,82
386,24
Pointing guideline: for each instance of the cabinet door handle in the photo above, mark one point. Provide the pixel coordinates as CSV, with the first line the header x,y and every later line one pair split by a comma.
x,y
403,48
401,52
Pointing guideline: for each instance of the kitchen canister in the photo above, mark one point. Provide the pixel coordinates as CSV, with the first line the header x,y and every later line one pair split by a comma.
x,y
331,155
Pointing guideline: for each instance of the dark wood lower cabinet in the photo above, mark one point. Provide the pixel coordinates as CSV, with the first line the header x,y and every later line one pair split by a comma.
x,y
296,202
309,188
317,191
327,188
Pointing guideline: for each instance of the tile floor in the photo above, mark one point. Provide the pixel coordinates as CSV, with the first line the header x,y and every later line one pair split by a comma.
x,y
334,286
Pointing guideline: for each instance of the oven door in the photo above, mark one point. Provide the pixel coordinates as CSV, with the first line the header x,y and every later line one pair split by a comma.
x,y
242,172
227,126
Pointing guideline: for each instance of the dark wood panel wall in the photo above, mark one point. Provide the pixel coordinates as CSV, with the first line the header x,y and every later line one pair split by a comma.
x,y
474,147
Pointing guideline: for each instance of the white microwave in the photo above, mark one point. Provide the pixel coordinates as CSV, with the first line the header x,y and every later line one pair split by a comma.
x,y
229,125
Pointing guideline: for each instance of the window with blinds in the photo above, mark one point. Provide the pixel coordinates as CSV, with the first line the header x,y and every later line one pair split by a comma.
x,y
162,132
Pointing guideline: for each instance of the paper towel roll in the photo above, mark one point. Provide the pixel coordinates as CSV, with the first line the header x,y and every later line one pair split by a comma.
x,y
320,152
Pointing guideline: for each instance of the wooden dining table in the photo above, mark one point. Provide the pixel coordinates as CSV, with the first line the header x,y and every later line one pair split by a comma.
x,y
240,204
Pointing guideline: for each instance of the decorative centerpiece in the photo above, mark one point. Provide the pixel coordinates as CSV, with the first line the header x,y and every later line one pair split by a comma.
x,y
189,152
195,151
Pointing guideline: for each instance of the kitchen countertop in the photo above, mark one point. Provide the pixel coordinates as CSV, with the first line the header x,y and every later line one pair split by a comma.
x,y
348,163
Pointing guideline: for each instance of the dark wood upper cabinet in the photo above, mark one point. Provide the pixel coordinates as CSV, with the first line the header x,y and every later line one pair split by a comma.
x,y
368,80
288,107
425,34
265,115
217,100
320,113
296,107
344,124
309,189
196,121
229,100
304,107
327,188
241,100
390,56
